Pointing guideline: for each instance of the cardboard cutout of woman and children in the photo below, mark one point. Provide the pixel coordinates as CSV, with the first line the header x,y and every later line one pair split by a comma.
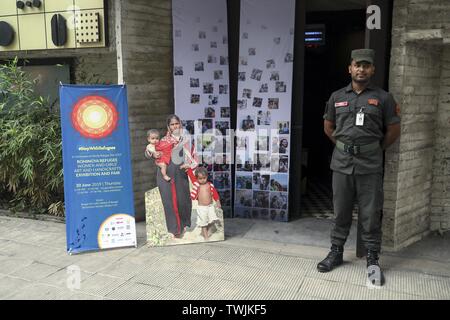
x,y
184,207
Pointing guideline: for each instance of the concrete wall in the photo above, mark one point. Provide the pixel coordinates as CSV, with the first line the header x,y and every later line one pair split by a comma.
x,y
415,80
146,58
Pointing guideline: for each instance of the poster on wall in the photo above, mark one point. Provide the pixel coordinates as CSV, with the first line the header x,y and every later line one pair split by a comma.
x,y
98,188
266,51
201,94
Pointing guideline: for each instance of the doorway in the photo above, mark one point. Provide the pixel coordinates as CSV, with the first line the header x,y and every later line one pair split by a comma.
x,y
325,71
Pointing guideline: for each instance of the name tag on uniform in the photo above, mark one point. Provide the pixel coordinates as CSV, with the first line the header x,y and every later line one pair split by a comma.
x,y
360,118
341,104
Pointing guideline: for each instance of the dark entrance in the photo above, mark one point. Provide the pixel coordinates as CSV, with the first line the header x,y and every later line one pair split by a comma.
x,y
325,70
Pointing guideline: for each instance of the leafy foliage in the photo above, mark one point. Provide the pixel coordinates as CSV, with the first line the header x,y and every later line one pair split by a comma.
x,y
31,176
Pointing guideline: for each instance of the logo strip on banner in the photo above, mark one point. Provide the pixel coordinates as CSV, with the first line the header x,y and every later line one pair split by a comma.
x,y
201,80
264,109
98,188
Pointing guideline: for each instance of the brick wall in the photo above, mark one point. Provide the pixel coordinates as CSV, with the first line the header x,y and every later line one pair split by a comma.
x,y
413,162
440,201
147,70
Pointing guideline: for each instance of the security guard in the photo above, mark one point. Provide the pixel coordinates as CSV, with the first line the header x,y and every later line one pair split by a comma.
x,y
361,120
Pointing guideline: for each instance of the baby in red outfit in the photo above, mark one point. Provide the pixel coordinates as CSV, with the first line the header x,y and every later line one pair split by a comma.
x,y
164,147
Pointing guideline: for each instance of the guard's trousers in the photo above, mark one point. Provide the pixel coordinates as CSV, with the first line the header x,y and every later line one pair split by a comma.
x,y
367,190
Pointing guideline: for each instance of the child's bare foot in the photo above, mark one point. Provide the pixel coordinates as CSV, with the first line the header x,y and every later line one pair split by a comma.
x,y
167,178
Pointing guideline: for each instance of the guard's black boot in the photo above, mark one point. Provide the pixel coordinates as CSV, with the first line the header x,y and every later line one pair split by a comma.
x,y
333,259
374,274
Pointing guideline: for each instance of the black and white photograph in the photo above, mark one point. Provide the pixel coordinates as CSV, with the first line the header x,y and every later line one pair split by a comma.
x,y
207,124
270,64
195,98
263,27
261,181
212,59
264,214
221,144
256,74
241,76
280,86
242,165
263,118
275,144
202,35
252,51
178,71
273,103
278,200
278,215
213,44
277,40
222,180
195,47
223,126
199,66
210,112
213,100
261,162
225,197
261,199
225,112
208,87
244,198
274,76
284,164
257,102
218,74
177,33
194,82
274,163
264,88
223,61
247,93
242,104
289,57
188,125
279,182
283,127
223,89
262,143
215,29
225,40
284,144
222,162
242,142
242,212
244,180
248,124
245,35
243,61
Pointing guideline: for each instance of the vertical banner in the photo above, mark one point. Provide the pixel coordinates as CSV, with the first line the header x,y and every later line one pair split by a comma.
x,y
97,168
201,81
264,109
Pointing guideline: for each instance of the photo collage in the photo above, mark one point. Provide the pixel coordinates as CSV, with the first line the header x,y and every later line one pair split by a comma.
x,y
202,96
263,115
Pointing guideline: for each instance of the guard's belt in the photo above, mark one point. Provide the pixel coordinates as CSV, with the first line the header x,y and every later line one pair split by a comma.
x,y
353,150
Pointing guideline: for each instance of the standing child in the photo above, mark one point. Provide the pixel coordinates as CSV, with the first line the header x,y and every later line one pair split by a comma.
x,y
165,148
204,191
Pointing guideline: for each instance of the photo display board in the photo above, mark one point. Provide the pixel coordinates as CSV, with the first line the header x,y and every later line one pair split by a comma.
x,y
263,127
201,81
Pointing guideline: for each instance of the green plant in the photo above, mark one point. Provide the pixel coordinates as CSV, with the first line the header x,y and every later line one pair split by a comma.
x,y
31,176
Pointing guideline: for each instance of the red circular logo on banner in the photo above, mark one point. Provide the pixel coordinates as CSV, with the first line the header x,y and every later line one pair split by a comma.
x,y
95,117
